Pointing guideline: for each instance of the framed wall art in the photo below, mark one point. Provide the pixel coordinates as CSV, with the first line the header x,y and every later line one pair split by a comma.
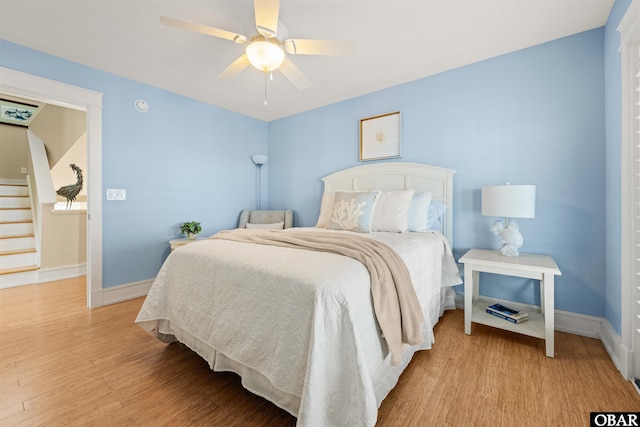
x,y
380,137
16,113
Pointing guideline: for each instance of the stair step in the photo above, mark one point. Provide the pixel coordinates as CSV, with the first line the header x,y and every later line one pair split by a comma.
x,y
22,277
19,242
14,202
16,236
18,251
18,269
14,190
15,214
18,259
14,228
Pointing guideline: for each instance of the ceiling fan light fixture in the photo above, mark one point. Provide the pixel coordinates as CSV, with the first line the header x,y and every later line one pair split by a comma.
x,y
265,54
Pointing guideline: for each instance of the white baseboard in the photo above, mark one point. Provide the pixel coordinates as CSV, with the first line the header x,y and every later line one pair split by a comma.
x,y
61,273
121,293
579,324
621,356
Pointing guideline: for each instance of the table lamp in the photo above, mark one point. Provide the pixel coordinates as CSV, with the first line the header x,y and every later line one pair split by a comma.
x,y
509,201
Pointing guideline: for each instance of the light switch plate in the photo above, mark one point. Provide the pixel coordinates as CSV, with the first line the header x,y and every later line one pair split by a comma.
x,y
116,194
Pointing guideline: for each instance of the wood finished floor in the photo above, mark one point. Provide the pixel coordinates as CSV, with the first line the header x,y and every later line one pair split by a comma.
x,y
62,364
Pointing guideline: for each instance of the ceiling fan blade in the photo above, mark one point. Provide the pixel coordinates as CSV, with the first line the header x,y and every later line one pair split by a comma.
x,y
236,66
203,29
294,75
267,16
319,47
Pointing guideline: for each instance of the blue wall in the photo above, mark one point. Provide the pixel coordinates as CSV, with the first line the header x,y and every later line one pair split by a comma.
x,y
613,150
183,160
535,116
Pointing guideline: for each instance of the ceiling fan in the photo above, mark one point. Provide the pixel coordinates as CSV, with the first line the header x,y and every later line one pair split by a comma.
x,y
264,50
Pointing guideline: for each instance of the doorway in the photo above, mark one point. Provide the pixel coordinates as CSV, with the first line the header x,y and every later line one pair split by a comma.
x,y
23,85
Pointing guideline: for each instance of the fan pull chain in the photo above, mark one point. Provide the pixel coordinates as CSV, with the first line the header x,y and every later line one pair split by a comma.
x,y
265,87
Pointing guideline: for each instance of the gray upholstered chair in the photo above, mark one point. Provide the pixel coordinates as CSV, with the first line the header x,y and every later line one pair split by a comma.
x,y
266,217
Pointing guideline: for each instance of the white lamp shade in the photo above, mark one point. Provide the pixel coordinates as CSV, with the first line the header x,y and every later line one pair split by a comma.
x,y
509,201
259,159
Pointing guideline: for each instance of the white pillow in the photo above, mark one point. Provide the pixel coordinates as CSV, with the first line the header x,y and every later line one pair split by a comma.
x,y
326,207
274,226
352,210
418,212
390,213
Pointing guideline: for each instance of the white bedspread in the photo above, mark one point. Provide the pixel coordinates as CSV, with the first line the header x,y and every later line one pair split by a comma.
x,y
297,325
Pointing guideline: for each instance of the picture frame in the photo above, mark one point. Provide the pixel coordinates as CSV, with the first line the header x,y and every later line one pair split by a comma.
x,y
380,137
16,113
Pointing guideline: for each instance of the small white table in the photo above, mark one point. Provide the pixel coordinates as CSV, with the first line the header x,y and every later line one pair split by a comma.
x,y
531,266
176,243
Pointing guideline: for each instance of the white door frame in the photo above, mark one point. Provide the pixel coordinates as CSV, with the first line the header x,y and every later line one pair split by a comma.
x,y
629,29
23,85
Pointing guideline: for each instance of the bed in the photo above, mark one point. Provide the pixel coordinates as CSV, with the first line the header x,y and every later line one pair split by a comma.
x,y
301,327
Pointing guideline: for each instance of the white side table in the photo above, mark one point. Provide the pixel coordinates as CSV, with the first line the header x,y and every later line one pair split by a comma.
x,y
176,243
531,266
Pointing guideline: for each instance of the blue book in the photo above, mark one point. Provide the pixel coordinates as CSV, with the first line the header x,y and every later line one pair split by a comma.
x,y
507,313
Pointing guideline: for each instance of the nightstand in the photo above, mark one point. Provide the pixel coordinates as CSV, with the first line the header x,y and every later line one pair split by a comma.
x,y
531,266
176,243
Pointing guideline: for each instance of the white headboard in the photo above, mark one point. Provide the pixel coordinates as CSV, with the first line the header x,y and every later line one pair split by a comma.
x,y
399,176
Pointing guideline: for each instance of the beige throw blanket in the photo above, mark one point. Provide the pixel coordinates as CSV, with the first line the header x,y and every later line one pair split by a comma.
x,y
395,302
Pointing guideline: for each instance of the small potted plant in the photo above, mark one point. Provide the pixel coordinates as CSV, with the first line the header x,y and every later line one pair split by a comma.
x,y
191,229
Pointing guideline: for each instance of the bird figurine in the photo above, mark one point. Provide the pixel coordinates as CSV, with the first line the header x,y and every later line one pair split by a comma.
x,y
511,238
70,192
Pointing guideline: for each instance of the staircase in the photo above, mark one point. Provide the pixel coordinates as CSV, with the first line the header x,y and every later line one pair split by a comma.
x,y
18,256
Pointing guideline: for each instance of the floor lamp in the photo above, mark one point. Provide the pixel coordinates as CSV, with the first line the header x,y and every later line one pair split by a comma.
x,y
259,160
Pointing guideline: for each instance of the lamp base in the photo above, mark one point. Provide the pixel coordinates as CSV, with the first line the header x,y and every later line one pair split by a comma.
x,y
509,250
510,236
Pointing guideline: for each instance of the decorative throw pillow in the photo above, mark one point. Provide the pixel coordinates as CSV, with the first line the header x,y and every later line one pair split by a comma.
x,y
326,207
434,215
274,226
352,210
390,212
418,212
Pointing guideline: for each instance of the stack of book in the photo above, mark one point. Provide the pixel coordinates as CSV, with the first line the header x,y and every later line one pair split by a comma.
x,y
506,313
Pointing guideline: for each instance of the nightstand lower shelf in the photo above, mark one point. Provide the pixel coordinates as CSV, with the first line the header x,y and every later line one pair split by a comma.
x,y
534,327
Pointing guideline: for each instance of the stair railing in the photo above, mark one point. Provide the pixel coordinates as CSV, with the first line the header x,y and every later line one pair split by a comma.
x,y
41,190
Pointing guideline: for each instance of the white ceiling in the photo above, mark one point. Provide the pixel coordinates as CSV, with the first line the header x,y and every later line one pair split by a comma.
x,y
395,42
